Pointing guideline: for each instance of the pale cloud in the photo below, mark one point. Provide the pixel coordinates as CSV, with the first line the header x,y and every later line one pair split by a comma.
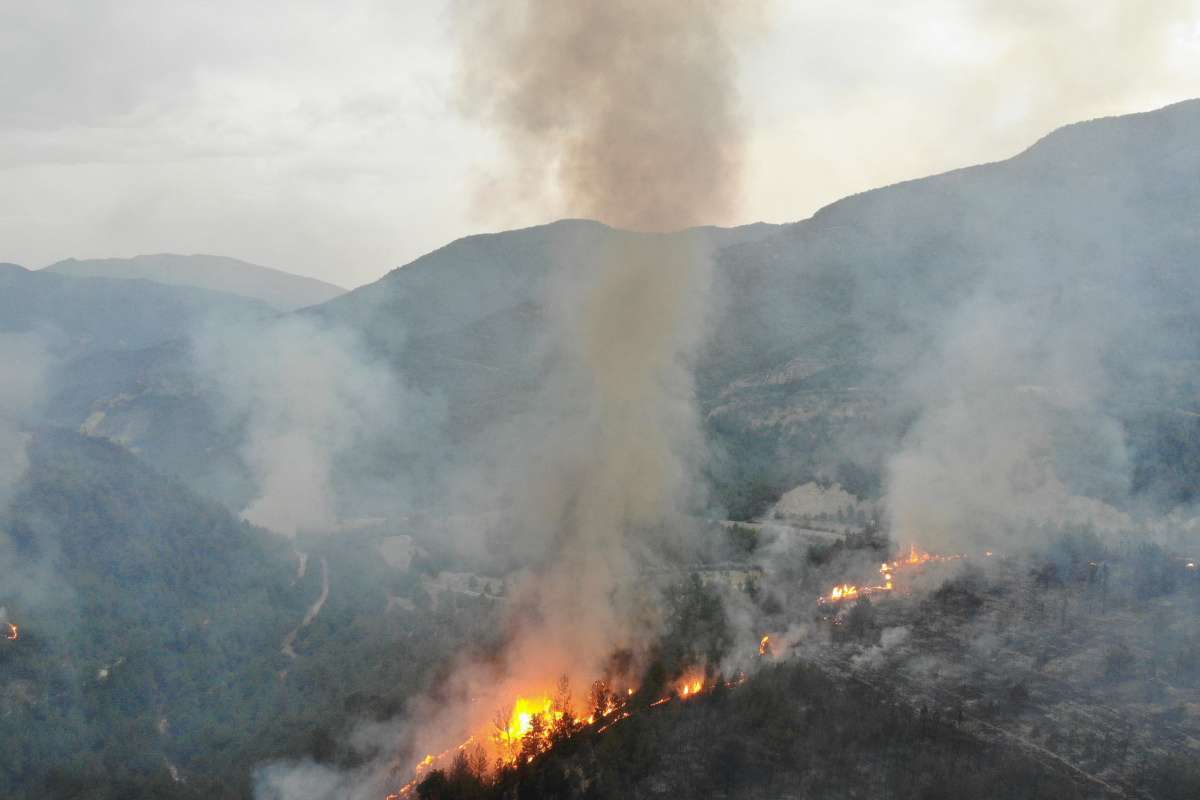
x,y
321,137
853,95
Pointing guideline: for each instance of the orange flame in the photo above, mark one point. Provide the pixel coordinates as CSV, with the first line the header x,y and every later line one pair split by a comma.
x,y
843,592
12,634
536,717
689,686
913,558
521,722
764,647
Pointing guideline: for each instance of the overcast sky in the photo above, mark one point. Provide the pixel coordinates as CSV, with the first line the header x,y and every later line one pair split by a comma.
x,y
322,137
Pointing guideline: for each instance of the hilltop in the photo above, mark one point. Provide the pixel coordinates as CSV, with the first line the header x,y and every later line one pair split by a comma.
x,y
280,290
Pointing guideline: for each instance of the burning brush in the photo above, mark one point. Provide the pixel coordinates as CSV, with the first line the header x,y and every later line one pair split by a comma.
x,y
535,724
8,629
913,559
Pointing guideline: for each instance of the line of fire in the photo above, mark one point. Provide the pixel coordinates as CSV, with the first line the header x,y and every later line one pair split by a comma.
x,y
534,724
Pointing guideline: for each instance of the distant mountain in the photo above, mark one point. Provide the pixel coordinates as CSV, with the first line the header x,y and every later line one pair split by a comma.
x,y
282,291
81,315
823,330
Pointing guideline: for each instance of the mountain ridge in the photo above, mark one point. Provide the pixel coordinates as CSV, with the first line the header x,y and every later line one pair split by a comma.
x,y
856,298
94,314
281,290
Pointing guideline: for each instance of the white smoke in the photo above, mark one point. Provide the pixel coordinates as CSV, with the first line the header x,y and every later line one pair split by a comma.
x,y
24,365
305,395
1012,430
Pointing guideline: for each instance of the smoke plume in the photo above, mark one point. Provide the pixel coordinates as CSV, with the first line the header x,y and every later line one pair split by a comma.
x,y
631,109
623,111
627,111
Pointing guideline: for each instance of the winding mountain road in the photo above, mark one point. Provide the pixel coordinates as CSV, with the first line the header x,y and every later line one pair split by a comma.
x,y
288,641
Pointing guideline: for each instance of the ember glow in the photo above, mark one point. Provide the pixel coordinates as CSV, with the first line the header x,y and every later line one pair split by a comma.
x,y
423,767
521,720
529,728
689,686
912,559
12,634
843,592
536,722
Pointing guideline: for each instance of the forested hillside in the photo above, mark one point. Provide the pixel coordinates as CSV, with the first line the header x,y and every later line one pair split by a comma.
x,y
148,661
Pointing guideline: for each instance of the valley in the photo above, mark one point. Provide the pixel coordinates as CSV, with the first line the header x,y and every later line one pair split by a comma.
x,y
894,501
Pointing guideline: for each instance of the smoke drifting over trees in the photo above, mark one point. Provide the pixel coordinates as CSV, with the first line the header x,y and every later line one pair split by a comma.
x,y
1027,385
303,397
24,361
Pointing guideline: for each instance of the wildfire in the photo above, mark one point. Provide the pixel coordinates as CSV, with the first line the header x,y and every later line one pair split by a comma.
x,y
843,592
689,687
12,634
533,724
764,646
422,767
531,718
914,558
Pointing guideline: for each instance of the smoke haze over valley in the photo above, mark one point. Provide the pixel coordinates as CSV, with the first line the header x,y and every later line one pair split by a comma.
x,y
901,499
